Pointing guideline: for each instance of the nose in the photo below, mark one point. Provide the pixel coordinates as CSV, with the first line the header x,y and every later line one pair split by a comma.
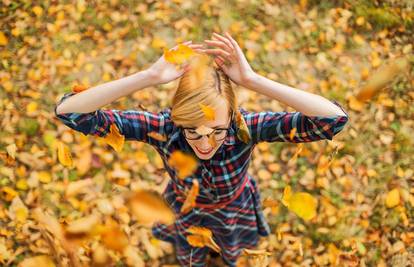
x,y
203,143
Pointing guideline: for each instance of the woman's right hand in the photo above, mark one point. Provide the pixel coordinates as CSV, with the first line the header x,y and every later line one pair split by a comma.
x,y
164,72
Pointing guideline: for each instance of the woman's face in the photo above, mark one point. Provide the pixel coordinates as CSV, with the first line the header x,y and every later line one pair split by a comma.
x,y
201,147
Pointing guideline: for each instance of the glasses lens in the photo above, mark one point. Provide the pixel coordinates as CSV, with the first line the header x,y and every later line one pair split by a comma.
x,y
219,134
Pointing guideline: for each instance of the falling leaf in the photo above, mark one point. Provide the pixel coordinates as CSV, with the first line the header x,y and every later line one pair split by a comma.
x,y
190,201
113,237
380,79
292,133
212,141
149,207
77,88
114,138
158,136
299,149
200,237
301,203
178,56
393,198
242,131
64,155
199,66
209,112
185,164
203,130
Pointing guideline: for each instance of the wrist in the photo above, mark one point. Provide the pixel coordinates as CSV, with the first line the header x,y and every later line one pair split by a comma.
x,y
250,80
150,76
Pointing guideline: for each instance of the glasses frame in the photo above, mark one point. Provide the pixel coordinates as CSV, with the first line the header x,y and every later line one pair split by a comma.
x,y
208,135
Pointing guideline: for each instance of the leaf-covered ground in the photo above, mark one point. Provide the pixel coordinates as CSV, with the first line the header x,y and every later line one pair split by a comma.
x,y
363,179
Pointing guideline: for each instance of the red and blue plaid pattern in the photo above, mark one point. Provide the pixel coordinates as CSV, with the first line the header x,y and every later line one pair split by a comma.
x,y
229,201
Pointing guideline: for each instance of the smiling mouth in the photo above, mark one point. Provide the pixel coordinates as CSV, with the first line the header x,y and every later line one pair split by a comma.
x,y
204,152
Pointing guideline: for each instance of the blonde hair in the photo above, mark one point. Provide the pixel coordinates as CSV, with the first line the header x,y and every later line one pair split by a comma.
x,y
205,83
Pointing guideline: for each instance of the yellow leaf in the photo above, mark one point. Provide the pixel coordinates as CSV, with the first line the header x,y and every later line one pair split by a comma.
x,y
243,131
44,177
301,203
209,112
185,164
178,56
64,155
157,136
22,184
190,201
149,207
3,39
393,198
355,104
8,193
114,138
31,107
37,10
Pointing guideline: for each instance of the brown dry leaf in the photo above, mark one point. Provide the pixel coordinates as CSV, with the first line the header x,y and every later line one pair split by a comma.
x,y
149,207
64,155
202,236
185,164
243,131
209,112
190,201
114,138
158,136
37,261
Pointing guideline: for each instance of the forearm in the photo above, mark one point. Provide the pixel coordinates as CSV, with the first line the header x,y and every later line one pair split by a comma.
x,y
98,96
302,101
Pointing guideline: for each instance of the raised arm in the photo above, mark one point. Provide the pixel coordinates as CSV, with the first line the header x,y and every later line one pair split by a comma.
x,y
82,111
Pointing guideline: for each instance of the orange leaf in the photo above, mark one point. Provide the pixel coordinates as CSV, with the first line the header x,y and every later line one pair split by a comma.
x,y
114,138
113,237
243,131
78,88
292,133
149,207
208,111
185,164
157,136
200,237
190,201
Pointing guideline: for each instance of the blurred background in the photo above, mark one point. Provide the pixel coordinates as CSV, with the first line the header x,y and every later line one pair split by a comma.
x,y
363,179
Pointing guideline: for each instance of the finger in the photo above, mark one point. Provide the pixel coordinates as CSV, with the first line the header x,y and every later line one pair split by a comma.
x,y
234,43
218,52
221,64
224,39
220,44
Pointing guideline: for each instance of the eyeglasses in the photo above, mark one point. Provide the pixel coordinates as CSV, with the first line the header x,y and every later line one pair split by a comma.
x,y
191,134
218,133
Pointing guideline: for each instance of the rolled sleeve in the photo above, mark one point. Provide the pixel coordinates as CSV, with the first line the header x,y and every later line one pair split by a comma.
x,y
133,124
271,126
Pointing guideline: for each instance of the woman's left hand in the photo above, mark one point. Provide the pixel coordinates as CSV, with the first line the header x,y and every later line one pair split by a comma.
x,y
230,58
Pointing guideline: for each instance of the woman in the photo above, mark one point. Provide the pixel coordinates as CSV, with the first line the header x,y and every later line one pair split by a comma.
x,y
229,201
